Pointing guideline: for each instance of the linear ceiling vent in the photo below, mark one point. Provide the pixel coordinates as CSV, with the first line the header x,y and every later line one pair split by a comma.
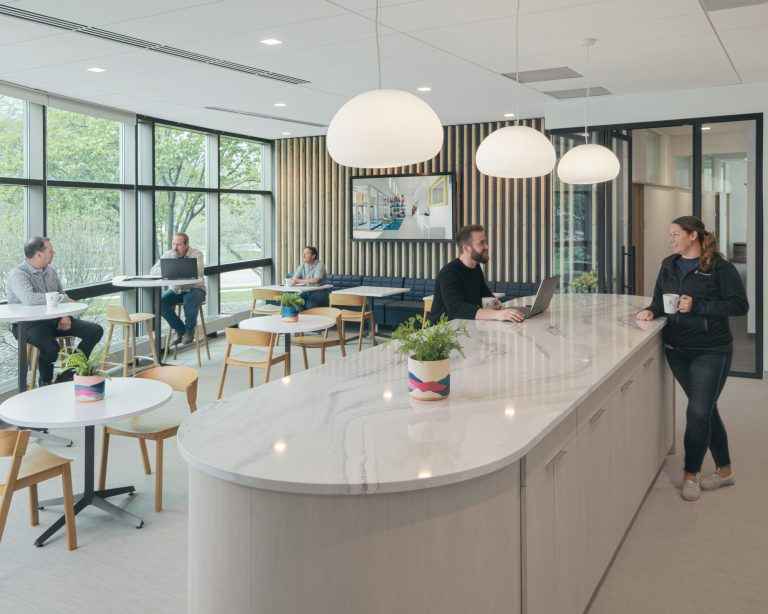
x,y
580,92
544,74
264,116
721,5
79,28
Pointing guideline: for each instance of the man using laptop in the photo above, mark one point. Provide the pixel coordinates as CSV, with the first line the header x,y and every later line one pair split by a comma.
x,y
461,285
191,295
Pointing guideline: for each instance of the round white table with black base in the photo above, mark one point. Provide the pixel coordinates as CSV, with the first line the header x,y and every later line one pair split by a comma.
x,y
55,406
156,284
20,315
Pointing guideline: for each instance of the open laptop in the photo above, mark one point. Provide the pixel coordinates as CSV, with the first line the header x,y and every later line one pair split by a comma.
x,y
178,268
543,297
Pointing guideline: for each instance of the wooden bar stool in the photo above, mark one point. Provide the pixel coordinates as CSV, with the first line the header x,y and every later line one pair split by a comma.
x,y
196,334
117,315
33,357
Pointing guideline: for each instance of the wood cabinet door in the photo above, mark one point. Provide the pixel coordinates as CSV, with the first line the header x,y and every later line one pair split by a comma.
x,y
539,543
569,527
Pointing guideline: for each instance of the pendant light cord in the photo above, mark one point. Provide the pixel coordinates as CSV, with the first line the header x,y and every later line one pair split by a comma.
x,y
378,44
586,101
517,63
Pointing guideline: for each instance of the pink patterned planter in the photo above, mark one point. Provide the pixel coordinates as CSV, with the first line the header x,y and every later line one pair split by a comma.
x,y
429,381
89,388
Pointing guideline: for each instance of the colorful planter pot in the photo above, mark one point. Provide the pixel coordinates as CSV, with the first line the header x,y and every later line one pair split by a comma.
x,y
289,314
429,381
89,388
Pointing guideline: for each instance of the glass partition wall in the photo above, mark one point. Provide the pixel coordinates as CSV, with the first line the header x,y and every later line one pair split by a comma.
x,y
110,190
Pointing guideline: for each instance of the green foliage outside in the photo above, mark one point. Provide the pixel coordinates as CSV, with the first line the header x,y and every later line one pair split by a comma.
x,y
429,341
586,282
290,299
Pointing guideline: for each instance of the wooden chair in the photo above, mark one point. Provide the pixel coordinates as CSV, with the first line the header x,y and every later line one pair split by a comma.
x,y
117,315
253,359
323,341
33,357
196,334
427,307
264,309
349,315
156,426
30,465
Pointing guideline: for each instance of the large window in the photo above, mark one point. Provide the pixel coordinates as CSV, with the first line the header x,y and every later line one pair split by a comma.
x,y
241,227
236,289
12,228
82,148
180,212
11,137
179,157
241,164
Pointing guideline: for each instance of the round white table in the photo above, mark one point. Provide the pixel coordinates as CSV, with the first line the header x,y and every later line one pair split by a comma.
x,y
275,324
55,407
21,314
155,283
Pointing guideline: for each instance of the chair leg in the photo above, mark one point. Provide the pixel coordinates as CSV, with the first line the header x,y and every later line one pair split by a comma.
x,y
151,338
34,514
104,458
107,343
33,366
250,377
158,475
304,353
342,345
267,371
126,342
5,505
322,355
134,360
167,343
221,381
69,506
205,333
372,326
145,456
197,346
360,336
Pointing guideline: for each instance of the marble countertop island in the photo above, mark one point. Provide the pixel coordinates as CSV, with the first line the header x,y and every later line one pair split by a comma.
x,y
348,427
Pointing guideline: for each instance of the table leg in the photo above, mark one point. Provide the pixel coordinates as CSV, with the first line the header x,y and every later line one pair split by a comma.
x,y
158,323
91,496
288,350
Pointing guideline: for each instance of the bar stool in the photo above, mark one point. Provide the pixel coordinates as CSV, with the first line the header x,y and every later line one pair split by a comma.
x,y
200,315
117,315
33,357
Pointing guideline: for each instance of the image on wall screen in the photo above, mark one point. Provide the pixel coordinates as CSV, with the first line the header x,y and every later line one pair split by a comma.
x,y
402,207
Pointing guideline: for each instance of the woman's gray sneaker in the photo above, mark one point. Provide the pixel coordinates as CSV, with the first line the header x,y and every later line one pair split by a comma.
x,y
690,490
714,481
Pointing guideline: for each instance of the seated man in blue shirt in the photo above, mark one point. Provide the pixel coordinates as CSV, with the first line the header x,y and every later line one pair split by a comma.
x,y
311,272
27,285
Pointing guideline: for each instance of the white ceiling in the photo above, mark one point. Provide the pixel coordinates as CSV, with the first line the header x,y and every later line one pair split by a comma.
x,y
458,47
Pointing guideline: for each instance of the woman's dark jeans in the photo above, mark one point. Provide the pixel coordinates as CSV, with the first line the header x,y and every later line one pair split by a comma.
x,y
702,376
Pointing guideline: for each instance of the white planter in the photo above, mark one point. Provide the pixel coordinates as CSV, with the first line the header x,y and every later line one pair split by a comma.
x,y
429,381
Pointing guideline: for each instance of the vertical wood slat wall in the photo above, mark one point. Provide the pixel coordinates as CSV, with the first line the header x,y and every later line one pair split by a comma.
x,y
312,207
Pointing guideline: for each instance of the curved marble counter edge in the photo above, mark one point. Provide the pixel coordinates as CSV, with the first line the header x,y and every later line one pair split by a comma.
x,y
432,481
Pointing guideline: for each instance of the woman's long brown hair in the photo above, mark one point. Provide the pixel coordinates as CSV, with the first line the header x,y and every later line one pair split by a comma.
x,y
709,247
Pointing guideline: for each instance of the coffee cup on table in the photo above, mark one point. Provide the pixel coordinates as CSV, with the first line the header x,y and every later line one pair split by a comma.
x,y
488,302
287,281
51,300
670,303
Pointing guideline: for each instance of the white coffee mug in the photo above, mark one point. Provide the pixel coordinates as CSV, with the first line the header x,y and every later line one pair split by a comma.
x,y
287,281
670,303
51,300
488,302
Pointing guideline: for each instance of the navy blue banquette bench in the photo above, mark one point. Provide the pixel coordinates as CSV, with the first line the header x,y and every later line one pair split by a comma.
x,y
393,310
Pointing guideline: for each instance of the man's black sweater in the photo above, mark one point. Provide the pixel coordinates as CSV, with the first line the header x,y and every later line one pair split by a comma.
x,y
459,291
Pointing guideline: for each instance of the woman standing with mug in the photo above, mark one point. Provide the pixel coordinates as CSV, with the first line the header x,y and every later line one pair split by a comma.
x,y
697,289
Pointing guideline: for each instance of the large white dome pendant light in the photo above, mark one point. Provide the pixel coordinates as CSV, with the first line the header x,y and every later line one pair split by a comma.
x,y
384,128
516,152
589,163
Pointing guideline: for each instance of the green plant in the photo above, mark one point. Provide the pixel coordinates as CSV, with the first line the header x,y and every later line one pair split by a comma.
x,y
290,299
429,341
585,282
84,365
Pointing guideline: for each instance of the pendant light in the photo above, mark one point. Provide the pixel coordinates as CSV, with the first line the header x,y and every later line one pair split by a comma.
x,y
384,128
588,163
516,152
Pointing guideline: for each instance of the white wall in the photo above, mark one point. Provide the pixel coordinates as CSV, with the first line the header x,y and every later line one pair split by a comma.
x,y
678,104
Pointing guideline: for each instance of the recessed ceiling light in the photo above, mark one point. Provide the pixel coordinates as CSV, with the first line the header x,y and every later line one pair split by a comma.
x,y
424,89
97,69
280,104
271,41
509,114
285,133
706,127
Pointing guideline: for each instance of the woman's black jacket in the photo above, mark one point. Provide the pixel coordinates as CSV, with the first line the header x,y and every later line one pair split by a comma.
x,y
717,294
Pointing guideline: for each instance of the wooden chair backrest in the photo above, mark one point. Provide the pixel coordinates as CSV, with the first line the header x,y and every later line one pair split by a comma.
x,y
253,338
262,294
328,312
118,313
347,300
427,307
13,444
181,379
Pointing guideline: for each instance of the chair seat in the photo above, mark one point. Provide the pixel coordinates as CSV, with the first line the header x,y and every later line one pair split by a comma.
x,y
252,357
134,319
269,309
314,341
166,417
348,314
37,460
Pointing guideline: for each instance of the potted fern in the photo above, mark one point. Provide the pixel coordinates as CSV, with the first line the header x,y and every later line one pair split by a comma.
x,y
89,377
428,348
291,302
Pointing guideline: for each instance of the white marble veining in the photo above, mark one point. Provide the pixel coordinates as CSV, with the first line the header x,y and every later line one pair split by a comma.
x,y
348,427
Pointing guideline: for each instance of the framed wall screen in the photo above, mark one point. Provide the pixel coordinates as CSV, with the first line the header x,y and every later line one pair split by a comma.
x,y
416,207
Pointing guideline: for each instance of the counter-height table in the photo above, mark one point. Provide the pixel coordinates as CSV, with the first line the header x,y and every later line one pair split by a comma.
x,y
371,292
156,283
333,492
298,288
54,406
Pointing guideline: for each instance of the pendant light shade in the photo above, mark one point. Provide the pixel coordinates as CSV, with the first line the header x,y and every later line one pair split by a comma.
x,y
515,152
588,163
384,128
